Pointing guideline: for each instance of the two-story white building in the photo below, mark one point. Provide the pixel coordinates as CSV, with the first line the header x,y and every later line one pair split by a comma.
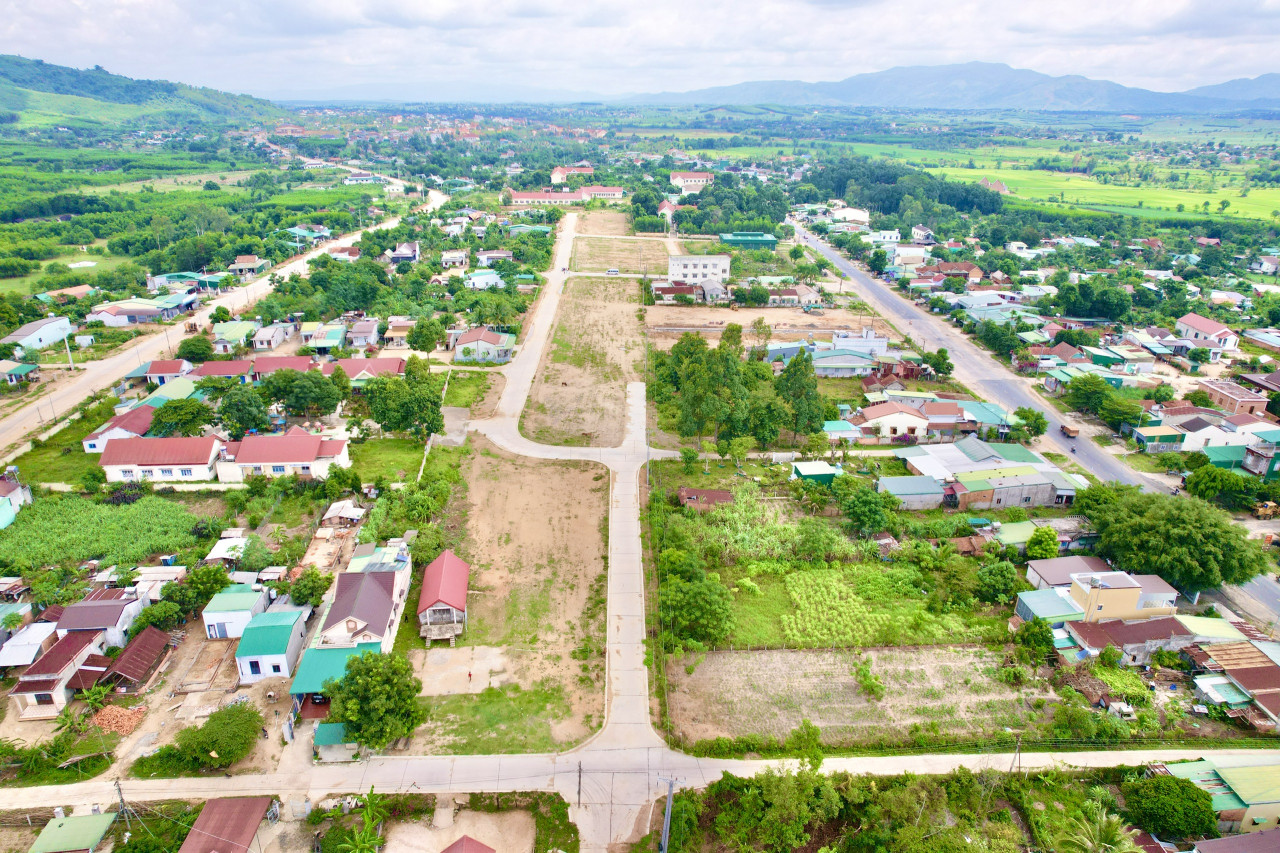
x,y
695,269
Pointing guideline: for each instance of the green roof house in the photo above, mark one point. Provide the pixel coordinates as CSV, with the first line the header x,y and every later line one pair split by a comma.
x,y
749,240
817,472
1054,605
271,645
228,613
76,833
231,334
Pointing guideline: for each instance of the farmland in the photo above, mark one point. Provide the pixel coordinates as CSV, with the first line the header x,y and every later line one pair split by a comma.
x,y
639,255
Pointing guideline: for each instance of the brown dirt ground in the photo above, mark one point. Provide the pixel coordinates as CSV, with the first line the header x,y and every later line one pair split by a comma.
x,y
594,254
789,324
512,831
535,545
579,396
604,223
768,693
488,404
15,839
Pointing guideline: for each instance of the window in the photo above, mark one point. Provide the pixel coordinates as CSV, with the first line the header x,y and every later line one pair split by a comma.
x,y
275,668
185,472
127,473
255,668
999,500
147,473
1026,500
166,472
277,469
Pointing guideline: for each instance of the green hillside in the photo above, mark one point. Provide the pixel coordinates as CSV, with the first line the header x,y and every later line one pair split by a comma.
x,y
35,93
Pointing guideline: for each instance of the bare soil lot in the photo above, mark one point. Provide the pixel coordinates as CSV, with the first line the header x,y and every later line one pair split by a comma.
x,y
535,543
665,323
596,254
604,223
947,690
579,395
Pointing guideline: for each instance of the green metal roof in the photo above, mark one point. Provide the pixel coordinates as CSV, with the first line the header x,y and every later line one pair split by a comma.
x,y
1205,777
78,832
1209,626
1015,452
233,330
1015,532
1049,605
1225,457
318,665
268,633
238,596
1254,785
21,369
902,486
331,734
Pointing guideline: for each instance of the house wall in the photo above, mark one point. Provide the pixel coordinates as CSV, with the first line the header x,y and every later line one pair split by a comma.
x,y
979,499
1099,604
898,423
1035,494
286,661
156,473
235,472
50,333
234,621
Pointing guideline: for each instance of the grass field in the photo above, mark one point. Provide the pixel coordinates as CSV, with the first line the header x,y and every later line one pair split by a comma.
x,y
392,459
466,387
629,256
22,284
498,720
176,182
62,458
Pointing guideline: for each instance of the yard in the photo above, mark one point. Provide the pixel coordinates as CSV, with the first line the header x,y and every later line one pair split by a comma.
x,y
61,458
597,254
466,387
947,690
535,541
579,395
106,342
395,460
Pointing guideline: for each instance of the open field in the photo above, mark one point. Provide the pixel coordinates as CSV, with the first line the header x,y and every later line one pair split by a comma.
x,y
943,689
591,254
176,182
665,323
579,394
534,540
22,284
395,460
604,223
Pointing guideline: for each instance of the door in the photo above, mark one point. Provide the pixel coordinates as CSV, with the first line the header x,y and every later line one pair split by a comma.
x,y
218,631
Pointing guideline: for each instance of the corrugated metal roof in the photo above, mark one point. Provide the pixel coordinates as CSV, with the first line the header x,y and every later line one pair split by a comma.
x,y
140,656
226,825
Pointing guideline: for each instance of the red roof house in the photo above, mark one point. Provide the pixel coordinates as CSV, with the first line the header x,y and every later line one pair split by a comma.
x,y
467,844
442,604
173,459
295,452
226,825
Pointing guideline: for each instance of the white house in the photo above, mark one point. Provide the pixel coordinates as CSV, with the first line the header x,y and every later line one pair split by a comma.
x,y
38,334
131,424
889,420
454,258
297,452
691,182
270,645
228,613
481,344
363,333
166,370
270,337
109,611
163,460
698,268
1210,332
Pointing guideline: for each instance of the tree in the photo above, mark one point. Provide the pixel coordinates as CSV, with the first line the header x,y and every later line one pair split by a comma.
x,y
243,411
12,621
797,386
1198,355
92,479
877,261
816,444
312,394
1171,808
1033,421
1200,398
761,331
227,736
739,448
340,381
425,335
1043,544
181,417
796,253
1187,542
689,457
1087,393
766,416
700,610
1225,488
1036,637
220,315
310,587
1094,830
377,699
163,615
193,593
1116,411
196,349
997,581
864,507
399,405
940,361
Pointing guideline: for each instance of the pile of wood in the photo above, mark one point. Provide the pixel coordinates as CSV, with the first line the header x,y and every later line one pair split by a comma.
x,y
122,721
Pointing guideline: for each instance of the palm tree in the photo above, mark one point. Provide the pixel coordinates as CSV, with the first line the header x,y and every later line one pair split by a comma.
x,y
1095,830
376,808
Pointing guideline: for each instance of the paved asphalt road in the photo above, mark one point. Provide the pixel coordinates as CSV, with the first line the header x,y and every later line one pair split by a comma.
x,y
975,366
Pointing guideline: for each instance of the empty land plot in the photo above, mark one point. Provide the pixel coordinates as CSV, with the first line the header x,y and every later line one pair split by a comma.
x,y
597,254
665,323
947,690
607,223
579,395
535,543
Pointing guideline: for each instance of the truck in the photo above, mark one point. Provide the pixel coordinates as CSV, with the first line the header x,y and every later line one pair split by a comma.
x,y
1069,431
1265,510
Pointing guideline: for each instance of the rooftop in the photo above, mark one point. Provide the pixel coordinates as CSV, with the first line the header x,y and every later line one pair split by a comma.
x,y
75,833
268,633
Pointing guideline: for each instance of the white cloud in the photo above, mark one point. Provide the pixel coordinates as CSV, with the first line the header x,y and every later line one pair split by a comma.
x,y
393,47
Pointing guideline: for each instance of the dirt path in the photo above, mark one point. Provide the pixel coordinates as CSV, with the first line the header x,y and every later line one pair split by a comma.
x,y
579,394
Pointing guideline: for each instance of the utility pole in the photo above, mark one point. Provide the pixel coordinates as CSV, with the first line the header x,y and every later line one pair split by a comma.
x,y
71,363
124,809
579,784
666,819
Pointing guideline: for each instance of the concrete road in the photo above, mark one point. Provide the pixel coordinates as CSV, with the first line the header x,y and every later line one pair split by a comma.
x,y
98,375
975,366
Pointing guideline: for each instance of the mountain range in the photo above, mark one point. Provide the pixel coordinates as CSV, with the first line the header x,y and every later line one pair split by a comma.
x,y
984,86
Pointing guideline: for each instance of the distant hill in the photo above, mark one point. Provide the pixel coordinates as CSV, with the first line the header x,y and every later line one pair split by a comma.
x,y
42,93
1242,89
982,86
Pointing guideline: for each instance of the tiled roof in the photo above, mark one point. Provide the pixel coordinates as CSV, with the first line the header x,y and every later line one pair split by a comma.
x,y
140,656
294,446
445,580
137,421
365,596
61,653
173,365
226,825
1202,324
159,451
237,367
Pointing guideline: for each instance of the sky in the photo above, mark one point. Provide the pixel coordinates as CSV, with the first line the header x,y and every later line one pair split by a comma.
x,y
487,49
